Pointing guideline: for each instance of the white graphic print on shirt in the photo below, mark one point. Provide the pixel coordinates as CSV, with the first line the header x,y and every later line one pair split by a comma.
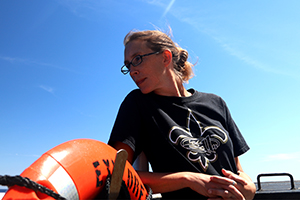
x,y
202,149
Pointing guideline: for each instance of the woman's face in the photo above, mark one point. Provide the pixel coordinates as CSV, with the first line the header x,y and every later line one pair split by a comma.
x,y
149,74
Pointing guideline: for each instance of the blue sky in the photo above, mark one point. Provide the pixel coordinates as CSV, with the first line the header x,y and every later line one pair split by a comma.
x,y
60,73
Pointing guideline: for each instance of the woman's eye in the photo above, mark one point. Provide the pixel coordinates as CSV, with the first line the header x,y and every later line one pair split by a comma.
x,y
136,60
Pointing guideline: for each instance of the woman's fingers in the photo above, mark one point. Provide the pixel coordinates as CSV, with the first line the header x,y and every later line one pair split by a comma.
x,y
223,180
228,187
230,192
234,176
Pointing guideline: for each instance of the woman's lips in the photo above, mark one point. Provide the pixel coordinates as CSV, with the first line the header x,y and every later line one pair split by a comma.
x,y
140,81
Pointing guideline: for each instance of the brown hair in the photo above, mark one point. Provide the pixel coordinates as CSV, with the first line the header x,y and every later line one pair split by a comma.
x,y
159,41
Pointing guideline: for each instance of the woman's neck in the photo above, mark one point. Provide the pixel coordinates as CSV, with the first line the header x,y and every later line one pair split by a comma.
x,y
174,88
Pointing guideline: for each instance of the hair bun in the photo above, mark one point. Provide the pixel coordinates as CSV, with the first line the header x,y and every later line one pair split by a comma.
x,y
183,56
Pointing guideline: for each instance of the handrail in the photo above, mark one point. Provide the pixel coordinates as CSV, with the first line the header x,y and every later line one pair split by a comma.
x,y
275,174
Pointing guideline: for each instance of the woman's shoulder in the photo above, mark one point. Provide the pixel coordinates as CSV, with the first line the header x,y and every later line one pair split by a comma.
x,y
135,95
204,94
135,92
208,97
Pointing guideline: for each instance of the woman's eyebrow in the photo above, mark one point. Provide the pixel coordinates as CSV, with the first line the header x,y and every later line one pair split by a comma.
x,y
136,54
132,56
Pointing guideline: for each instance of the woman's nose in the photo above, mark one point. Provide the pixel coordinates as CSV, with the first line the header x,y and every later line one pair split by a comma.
x,y
133,71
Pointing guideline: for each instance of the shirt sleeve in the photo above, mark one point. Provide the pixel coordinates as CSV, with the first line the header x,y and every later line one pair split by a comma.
x,y
239,143
127,126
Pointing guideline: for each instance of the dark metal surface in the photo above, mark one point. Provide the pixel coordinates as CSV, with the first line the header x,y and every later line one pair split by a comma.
x,y
275,174
277,189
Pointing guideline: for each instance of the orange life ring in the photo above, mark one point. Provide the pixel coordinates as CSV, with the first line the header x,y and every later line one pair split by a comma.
x,y
77,170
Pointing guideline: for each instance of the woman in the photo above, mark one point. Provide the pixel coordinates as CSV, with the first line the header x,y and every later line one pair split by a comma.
x,y
189,137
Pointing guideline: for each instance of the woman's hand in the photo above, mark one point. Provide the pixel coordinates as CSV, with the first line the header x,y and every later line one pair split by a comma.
x,y
240,182
216,187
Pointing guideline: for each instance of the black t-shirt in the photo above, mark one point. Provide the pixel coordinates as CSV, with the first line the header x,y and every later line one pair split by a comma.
x,y
195,133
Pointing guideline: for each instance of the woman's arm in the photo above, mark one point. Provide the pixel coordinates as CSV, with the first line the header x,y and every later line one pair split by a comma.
x,y
158,182
201,183
168,182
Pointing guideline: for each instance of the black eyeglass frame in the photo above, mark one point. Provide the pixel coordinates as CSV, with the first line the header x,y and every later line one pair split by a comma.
x,y
125,69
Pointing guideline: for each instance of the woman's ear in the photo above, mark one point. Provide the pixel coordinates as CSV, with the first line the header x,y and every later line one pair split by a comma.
x,y
167,54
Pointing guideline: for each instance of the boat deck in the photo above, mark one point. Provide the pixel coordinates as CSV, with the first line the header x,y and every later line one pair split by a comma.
x,y
278,186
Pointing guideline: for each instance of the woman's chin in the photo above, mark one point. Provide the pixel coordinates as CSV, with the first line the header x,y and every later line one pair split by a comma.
x,y
145,91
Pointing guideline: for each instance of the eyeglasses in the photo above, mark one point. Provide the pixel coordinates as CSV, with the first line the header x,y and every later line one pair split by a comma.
x,y
135,62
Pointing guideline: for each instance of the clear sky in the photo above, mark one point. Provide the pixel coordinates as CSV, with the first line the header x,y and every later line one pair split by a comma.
x,y
60,73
